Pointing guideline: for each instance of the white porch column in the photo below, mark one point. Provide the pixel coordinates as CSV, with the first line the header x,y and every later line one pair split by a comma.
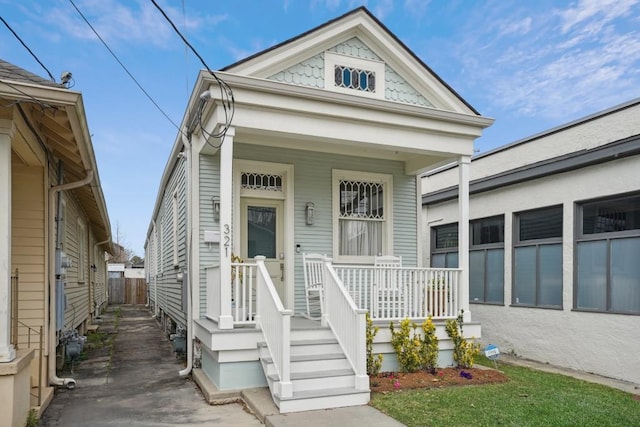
x,y
226,228
7,352
464,163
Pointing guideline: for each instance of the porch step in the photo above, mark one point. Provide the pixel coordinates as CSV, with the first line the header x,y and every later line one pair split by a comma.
x,y
322,399
320,374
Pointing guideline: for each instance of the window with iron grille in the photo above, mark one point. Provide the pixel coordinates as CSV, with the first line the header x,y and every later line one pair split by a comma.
x,y
362,215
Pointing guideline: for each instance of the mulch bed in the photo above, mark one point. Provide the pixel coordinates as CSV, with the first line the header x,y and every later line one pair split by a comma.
x,y
386,382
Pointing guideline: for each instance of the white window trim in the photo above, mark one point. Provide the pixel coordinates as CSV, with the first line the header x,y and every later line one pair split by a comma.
x,y
387,233
332,59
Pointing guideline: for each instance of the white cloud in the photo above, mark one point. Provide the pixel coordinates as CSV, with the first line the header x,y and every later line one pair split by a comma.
x,y
598,11
520,27
556,65
137,23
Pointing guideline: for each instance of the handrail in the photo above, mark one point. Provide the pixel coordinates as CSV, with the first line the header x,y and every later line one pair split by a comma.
x,y
15,338
275,322
347,322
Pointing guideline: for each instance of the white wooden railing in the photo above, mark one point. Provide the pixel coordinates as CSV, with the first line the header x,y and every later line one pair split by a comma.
x,y
399,292
275,323
347,322
234,298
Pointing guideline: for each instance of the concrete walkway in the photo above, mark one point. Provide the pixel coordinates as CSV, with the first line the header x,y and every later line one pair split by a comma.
x,y
136,384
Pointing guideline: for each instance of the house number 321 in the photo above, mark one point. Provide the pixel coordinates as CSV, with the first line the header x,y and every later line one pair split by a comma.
x,y
226,239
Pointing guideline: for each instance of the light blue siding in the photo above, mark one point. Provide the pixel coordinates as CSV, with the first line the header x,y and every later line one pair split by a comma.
x,y
171,292
313,183
209,253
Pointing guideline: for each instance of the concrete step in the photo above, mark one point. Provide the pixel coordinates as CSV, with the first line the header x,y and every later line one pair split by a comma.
x,y
322,399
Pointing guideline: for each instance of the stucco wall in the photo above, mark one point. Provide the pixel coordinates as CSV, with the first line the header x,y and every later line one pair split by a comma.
x,y
584,136
603,343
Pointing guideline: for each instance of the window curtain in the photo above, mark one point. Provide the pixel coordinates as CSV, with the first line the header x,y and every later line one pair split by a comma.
x,y
360,238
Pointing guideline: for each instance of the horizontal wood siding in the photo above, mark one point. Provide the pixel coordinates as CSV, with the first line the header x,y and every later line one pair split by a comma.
x,y
209,253
313,181
169,289
76,290
28,246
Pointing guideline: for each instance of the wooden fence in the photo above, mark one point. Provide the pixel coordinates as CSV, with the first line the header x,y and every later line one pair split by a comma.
x,y
127,291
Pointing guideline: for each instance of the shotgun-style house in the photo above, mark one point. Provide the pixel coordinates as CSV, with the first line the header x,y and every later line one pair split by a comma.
x,y
295,172
555,242
54,231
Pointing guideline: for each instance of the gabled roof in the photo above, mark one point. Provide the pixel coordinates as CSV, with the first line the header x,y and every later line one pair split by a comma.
x,y
359,23
9,71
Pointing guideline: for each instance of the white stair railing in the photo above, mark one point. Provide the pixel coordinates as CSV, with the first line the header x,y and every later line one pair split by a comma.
x,y
393,293
347,322
275,322
243,298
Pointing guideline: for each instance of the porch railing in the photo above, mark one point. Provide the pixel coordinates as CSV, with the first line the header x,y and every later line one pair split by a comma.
x,y
347,322
275,322
398,292
235,297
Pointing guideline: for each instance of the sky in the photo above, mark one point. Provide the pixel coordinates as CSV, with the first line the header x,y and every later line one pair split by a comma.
x,y
530,64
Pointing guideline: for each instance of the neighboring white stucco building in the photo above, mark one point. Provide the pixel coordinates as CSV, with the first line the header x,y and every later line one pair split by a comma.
x,y
554,242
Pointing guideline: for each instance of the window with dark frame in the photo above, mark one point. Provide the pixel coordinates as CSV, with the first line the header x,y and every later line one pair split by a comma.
x,y
444,253
537,258
486,260
607,247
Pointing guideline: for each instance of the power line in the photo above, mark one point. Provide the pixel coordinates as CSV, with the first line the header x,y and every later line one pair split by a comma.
x,y
226,93
27,47
125,68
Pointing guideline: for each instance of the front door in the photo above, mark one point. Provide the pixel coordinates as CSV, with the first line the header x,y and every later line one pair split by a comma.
x,y
262,234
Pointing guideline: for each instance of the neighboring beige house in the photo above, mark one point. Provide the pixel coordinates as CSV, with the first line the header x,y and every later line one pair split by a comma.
x,y
324,144
554,242
54,231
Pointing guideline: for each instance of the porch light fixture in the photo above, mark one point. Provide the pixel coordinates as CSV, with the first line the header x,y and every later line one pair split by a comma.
x,y
216,208
309,212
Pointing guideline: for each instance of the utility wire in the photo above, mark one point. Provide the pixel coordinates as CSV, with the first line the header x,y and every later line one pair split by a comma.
x,y
27,47
125,68
226,93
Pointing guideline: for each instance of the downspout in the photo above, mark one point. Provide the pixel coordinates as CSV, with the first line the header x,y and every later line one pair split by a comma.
x,y
105,278
70,383
190,293
156,252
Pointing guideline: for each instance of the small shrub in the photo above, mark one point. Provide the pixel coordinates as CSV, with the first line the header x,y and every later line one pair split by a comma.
x,y
429,346
464,352
374,363
415,351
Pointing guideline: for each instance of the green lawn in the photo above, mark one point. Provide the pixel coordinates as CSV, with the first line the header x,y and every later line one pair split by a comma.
x,y
530,398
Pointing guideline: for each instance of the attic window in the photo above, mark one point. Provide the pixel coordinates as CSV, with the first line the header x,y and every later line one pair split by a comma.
x,y
353,78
